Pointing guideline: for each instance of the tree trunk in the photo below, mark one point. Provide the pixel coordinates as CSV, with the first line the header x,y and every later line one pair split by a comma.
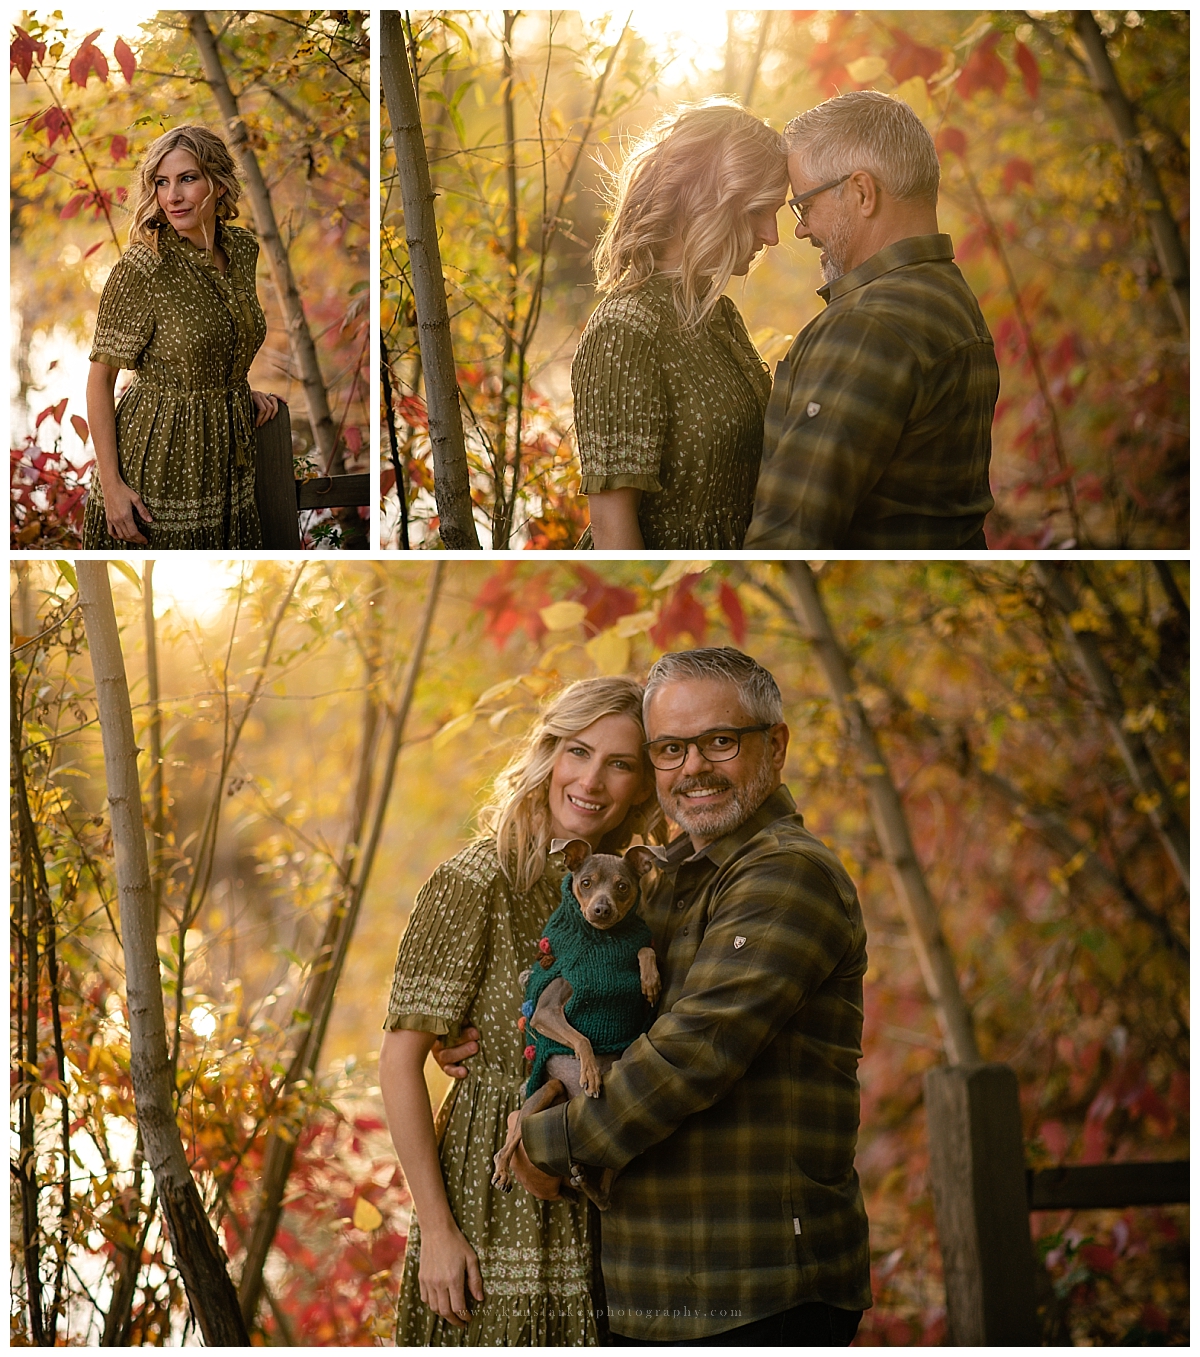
x,y
1164,229
891,824
158,791
452,484
198,1256
331,957
299,337
1153,793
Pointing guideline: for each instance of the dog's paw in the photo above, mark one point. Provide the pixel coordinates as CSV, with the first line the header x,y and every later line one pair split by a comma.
x,y
590,1078
652,989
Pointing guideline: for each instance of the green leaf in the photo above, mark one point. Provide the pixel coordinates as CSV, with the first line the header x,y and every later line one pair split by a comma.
x,y
67,571
130,574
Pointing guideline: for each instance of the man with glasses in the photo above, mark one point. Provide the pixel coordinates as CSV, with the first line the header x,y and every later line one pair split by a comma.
x,y
737,1217
878,432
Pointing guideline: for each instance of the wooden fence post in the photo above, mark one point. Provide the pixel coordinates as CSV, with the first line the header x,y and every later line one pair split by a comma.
x,y
275,483
977,1171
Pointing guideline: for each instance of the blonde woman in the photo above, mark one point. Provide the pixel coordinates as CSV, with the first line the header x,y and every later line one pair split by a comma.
x,y
485,1268
669,390
175,456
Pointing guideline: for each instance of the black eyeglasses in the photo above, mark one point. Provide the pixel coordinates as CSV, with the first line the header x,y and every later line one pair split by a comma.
x,y
715,746
800,203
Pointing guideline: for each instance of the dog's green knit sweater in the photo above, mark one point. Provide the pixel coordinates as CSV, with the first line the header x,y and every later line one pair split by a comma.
x,y
601,965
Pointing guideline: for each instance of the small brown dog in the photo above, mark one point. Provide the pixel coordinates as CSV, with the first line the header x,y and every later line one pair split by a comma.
x,y
601,890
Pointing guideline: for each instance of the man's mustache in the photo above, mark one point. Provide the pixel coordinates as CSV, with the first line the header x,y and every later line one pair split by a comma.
x,y
701,782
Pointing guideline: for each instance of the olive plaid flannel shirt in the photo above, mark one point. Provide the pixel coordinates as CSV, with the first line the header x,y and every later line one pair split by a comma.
x,y
734,1119
879,429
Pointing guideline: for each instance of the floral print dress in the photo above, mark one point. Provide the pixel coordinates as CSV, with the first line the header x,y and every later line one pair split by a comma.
x,y
185,427
469,936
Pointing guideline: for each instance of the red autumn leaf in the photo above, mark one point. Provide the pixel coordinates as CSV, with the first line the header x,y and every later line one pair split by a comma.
x,y
20,54
125,59
731,605
605,603
1098,1257
119,147
97,246
952,141
411,410
80,426
909,58
87,60
984,70
1030,71
54,412
73,206
45,166
682,613
1017,171
57,122
353,437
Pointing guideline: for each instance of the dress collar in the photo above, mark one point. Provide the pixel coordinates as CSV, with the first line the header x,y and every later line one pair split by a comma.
x,y
911,250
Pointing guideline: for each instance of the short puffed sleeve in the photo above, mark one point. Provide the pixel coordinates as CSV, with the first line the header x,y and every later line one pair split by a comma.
x,y
439,966
620,410
125,323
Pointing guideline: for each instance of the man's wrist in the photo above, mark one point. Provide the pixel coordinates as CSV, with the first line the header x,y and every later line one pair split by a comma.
x,y
544,1136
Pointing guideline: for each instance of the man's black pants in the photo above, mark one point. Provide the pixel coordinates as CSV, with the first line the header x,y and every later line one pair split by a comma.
x,y
811,1325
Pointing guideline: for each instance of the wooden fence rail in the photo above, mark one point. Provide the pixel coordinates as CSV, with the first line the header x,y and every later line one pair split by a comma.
x,y
281,497
983,1194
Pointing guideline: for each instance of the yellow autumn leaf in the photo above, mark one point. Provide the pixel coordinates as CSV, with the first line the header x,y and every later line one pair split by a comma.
x,y
559,616
497,690
677,570
915,94
538,683
633,624
496,720
366,1216
866,68
609,652
453,728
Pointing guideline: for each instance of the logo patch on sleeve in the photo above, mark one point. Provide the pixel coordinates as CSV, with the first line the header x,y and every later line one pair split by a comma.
x,y
814,409
739,942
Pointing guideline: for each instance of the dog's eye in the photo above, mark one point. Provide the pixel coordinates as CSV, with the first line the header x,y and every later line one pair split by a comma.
x,y
622,885
587,881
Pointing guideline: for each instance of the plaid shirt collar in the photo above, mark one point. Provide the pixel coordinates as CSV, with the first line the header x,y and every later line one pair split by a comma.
x,y
720,851
911,250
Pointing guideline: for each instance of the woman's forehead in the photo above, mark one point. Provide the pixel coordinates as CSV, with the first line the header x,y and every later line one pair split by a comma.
x,y
177,161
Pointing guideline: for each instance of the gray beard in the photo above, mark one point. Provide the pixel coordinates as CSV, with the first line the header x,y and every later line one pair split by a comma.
x,y
710,823
836,243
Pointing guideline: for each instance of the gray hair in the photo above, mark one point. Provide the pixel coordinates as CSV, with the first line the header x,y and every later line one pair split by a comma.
x,y
755,685
866,130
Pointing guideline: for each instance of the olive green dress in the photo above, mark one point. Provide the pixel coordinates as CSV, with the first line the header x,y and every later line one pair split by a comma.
x,y
469,936
678,416
185,427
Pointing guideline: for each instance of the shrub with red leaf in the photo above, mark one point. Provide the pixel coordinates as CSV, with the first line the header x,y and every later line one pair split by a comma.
x,y
47,494
984,70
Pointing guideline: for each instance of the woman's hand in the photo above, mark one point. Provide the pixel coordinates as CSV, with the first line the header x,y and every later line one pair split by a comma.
x,y
120,504
266,407
544,1186
449,1058
446,1259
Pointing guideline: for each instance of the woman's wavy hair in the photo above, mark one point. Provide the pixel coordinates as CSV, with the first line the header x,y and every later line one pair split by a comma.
x,y
699,172
216,164
518,813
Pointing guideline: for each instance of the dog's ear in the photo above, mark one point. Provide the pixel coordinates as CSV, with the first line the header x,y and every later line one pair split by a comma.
x,y
643,856
574,851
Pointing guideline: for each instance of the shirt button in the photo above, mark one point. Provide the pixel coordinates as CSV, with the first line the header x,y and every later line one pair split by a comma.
x,y
684,930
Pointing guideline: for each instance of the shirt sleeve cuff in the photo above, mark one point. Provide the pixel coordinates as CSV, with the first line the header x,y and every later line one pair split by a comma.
x,y
593,484
544,1136
415,1022
111,360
